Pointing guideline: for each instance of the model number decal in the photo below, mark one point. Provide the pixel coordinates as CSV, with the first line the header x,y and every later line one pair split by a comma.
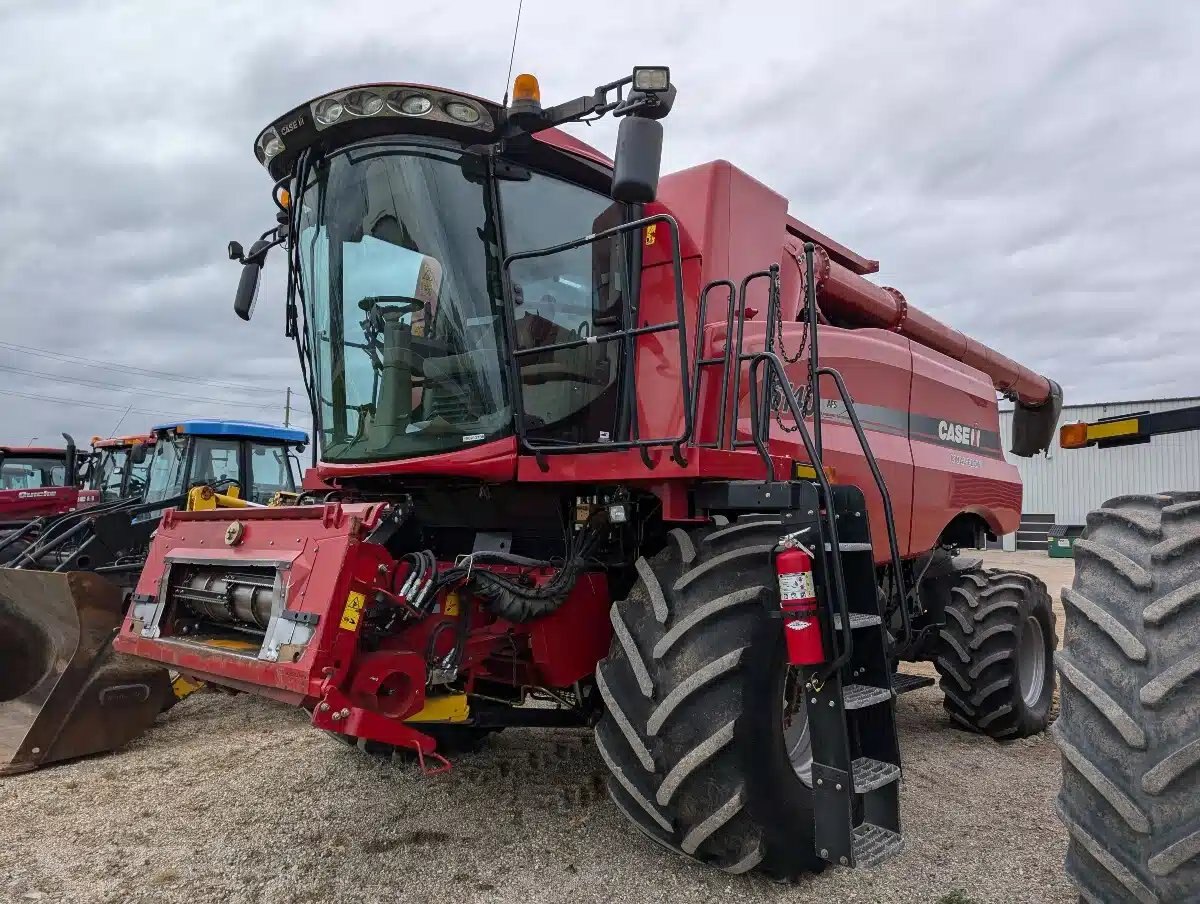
x,y
958,433
964,462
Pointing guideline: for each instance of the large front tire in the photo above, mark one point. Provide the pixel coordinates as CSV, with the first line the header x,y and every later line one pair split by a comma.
x,y
995,653
693,731
1129,729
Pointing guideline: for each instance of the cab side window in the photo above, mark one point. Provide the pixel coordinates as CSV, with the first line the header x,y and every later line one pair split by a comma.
x,y
269,473
215,460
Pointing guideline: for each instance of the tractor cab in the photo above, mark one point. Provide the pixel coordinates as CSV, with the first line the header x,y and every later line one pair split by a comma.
x,y
239,459
119,466
39,481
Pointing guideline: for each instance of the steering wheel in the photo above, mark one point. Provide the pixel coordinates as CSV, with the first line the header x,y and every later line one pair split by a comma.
x,y
403,304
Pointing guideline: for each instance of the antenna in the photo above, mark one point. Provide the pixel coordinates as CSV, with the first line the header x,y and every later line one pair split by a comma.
x,y
513,55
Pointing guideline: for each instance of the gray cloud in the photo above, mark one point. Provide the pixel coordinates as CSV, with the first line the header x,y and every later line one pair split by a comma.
x,y
1026,172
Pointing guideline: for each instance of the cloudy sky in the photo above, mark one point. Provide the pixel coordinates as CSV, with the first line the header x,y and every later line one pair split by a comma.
x,y
1028,172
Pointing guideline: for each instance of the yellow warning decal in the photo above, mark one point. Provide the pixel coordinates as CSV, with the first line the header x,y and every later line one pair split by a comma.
x,y
353,611
450,606
651,238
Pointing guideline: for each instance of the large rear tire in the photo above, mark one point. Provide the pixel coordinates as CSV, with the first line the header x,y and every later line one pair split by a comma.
x,y
995,653
696,733
1129,729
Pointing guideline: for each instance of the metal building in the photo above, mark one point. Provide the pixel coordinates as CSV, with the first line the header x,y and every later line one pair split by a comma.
x,y
1063,485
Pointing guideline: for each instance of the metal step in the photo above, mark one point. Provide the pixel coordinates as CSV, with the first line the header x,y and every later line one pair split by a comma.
x,y
860,696
852,547
873,845
857,620
902,683
871,774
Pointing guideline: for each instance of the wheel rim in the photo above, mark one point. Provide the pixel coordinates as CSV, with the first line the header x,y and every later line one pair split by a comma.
x,y
797,741
1031,661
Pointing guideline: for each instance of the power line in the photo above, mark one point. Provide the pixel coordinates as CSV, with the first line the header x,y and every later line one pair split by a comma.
x,y
98,405
82,381
81,404
128,368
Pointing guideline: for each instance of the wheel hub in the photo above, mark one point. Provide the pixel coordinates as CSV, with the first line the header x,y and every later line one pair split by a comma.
x,y
796,738
1031,661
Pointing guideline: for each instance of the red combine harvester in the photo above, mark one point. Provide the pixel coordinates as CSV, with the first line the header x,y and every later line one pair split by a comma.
x,y
37,481
612,480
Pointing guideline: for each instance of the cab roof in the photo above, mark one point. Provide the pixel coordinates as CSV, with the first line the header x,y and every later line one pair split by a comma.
x,y
116,441
240,429
33,450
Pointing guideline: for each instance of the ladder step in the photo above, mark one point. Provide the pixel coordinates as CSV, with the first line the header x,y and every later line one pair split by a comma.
x,y
857,620
873,845
860,696
902,683
852,547
871,774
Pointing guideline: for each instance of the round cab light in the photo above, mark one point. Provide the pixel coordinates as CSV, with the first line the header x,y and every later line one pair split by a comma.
x,y
328,111
363,103
412,105
462,112
271,144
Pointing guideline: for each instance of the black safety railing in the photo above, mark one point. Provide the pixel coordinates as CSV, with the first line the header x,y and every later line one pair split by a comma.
x,y
724,361
626,335
775,377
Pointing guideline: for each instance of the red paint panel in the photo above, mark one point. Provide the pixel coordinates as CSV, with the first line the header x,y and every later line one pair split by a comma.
x,y
946,480
494,462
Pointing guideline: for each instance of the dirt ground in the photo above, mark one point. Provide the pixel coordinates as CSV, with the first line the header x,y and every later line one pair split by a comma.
x,y
233,799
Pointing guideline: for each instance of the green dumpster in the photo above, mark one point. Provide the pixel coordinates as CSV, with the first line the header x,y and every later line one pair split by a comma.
x,y
1061,540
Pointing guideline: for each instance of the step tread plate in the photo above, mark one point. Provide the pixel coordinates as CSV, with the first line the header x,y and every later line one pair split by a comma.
x,y
860,696
873,845
870,774
852,547
903,683
857,620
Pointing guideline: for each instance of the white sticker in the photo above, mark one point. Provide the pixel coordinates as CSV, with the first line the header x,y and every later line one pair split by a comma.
x,y
796,586
605,436
797,625
473,437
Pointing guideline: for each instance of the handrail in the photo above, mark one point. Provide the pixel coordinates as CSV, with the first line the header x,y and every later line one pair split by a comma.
x,y
725,360
627,334
741,356
776,371
881,485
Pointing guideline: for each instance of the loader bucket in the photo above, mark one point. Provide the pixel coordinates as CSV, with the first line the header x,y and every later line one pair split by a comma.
x,y
64,691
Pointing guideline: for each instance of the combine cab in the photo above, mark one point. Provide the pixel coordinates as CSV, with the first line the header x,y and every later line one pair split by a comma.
x,y
589,467
64,693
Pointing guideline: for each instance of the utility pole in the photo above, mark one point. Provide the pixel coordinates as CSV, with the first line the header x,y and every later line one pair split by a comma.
x,y
287,409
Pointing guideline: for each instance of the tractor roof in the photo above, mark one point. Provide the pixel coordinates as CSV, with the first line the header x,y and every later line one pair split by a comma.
x,y
33,450
247,429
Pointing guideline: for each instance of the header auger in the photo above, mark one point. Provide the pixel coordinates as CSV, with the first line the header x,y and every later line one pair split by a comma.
x,y
577,427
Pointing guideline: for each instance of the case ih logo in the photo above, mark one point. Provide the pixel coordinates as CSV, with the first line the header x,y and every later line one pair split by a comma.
x,y
958,433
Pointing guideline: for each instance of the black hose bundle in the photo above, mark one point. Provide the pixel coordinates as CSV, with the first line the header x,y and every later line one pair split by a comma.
x,y
517,602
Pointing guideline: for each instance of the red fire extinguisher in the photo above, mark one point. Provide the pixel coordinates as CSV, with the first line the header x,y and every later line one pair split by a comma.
x,y
798,600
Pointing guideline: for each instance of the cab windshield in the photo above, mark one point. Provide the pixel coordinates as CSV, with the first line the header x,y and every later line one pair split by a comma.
x,y
32,472
111,473
399,269
166,468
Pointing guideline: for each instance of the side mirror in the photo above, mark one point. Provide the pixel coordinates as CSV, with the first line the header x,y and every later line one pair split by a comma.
x,y
638,160
247,290
137,453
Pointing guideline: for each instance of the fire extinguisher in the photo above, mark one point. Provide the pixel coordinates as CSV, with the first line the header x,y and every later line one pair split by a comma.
x,y
798,600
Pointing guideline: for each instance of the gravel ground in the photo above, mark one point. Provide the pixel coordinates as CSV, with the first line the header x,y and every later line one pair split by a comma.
x,y
234,799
